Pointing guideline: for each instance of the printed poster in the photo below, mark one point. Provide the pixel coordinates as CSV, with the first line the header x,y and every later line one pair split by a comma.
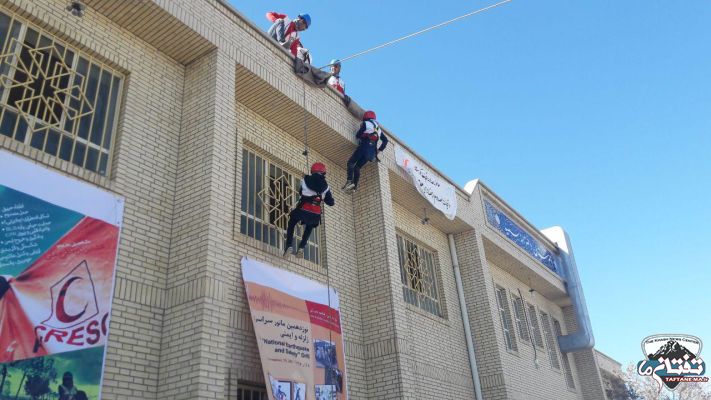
x,y
440,193
298,334
58,246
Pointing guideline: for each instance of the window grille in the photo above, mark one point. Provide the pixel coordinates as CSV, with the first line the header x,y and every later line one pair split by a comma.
x,y
550,342
249,392
55,98
505,314
566,361
520,319
269,193
418,276
535,325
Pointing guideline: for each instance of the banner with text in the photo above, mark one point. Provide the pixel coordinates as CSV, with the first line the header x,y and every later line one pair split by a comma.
x,y
58,248
440,193
297,323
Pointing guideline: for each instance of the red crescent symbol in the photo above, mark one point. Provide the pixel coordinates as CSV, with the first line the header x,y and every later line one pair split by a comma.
x,y
61,313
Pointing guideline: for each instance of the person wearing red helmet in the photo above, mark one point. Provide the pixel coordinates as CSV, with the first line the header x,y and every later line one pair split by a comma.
x,y
368,136
286,32
314,190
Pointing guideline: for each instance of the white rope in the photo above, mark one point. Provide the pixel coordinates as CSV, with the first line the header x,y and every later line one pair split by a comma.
x,y
421,31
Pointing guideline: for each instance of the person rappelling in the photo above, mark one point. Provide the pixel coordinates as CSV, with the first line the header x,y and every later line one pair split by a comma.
x,y
286,32
314,190
335,80
368,136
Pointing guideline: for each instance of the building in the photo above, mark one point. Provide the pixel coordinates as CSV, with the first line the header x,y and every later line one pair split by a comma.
x,y
611,371
190,112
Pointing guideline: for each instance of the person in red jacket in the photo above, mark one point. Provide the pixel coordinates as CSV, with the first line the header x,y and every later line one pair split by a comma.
x,y
314,190
286,32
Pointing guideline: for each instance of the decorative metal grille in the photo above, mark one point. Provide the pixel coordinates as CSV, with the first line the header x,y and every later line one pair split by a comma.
x,y
520,319
505,314
54,98
535,325
248,392
269,193
419,280
566,362
550,342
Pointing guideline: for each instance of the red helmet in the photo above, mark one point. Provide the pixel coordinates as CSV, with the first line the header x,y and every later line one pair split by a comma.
x,y
319,168
369,115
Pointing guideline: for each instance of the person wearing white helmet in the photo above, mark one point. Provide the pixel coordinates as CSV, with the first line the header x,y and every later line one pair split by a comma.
x,y
286,32
369,134
335,80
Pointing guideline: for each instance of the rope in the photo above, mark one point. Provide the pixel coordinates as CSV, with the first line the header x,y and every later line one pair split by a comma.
x,y
323,211
421,31
306,130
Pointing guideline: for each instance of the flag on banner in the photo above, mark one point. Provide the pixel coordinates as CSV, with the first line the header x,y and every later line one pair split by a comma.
x,y
297,323
58,246
440,193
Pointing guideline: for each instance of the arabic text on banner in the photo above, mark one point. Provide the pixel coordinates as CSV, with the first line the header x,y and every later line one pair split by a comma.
x,y
299,336
440,193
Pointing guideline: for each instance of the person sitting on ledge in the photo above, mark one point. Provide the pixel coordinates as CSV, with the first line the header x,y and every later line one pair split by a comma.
x,y
286,32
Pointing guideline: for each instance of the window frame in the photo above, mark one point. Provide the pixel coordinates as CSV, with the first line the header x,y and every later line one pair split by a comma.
x,y
567,369
255,219
427,259
551,343
520,319
535,325
112,110
505,318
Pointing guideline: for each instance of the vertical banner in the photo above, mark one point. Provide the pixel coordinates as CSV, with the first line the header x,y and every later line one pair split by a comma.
x,y
298,327
437,191
58,248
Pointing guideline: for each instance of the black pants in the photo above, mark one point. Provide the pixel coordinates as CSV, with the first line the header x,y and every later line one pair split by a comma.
x,y
310,221
360,157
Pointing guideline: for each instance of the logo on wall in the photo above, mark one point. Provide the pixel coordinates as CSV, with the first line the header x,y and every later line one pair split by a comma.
x,y
672,359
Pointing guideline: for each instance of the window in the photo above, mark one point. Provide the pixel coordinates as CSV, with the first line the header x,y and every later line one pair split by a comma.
x,y
54,98
566,362
535,326
550,343
505,314
269,192
417,272
520,318
249,392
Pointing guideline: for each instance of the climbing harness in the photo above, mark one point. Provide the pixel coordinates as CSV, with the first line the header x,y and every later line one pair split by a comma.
x,y
433,27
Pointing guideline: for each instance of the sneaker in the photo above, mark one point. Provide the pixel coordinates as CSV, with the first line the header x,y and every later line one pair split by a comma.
x,y
348,186
352,190
288,250
300,252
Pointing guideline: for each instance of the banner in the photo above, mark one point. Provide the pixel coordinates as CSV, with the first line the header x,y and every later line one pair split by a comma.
x,y
298,334
58,247
437,191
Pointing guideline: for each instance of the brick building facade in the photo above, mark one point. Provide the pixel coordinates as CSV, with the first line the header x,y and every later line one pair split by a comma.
x,y
195,118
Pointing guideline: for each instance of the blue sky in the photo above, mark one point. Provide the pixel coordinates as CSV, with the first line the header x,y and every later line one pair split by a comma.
x,y
595,116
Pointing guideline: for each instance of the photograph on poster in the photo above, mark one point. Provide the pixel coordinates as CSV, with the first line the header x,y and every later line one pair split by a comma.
x,y
283,390
299,391
325,392
334,377
325,353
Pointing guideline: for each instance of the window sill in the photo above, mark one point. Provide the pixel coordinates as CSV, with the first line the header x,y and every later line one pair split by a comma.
x,y
423,313
54,162
275,252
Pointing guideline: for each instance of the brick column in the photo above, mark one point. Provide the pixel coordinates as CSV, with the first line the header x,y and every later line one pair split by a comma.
x,y
386,349
193,357
589,376
480,295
